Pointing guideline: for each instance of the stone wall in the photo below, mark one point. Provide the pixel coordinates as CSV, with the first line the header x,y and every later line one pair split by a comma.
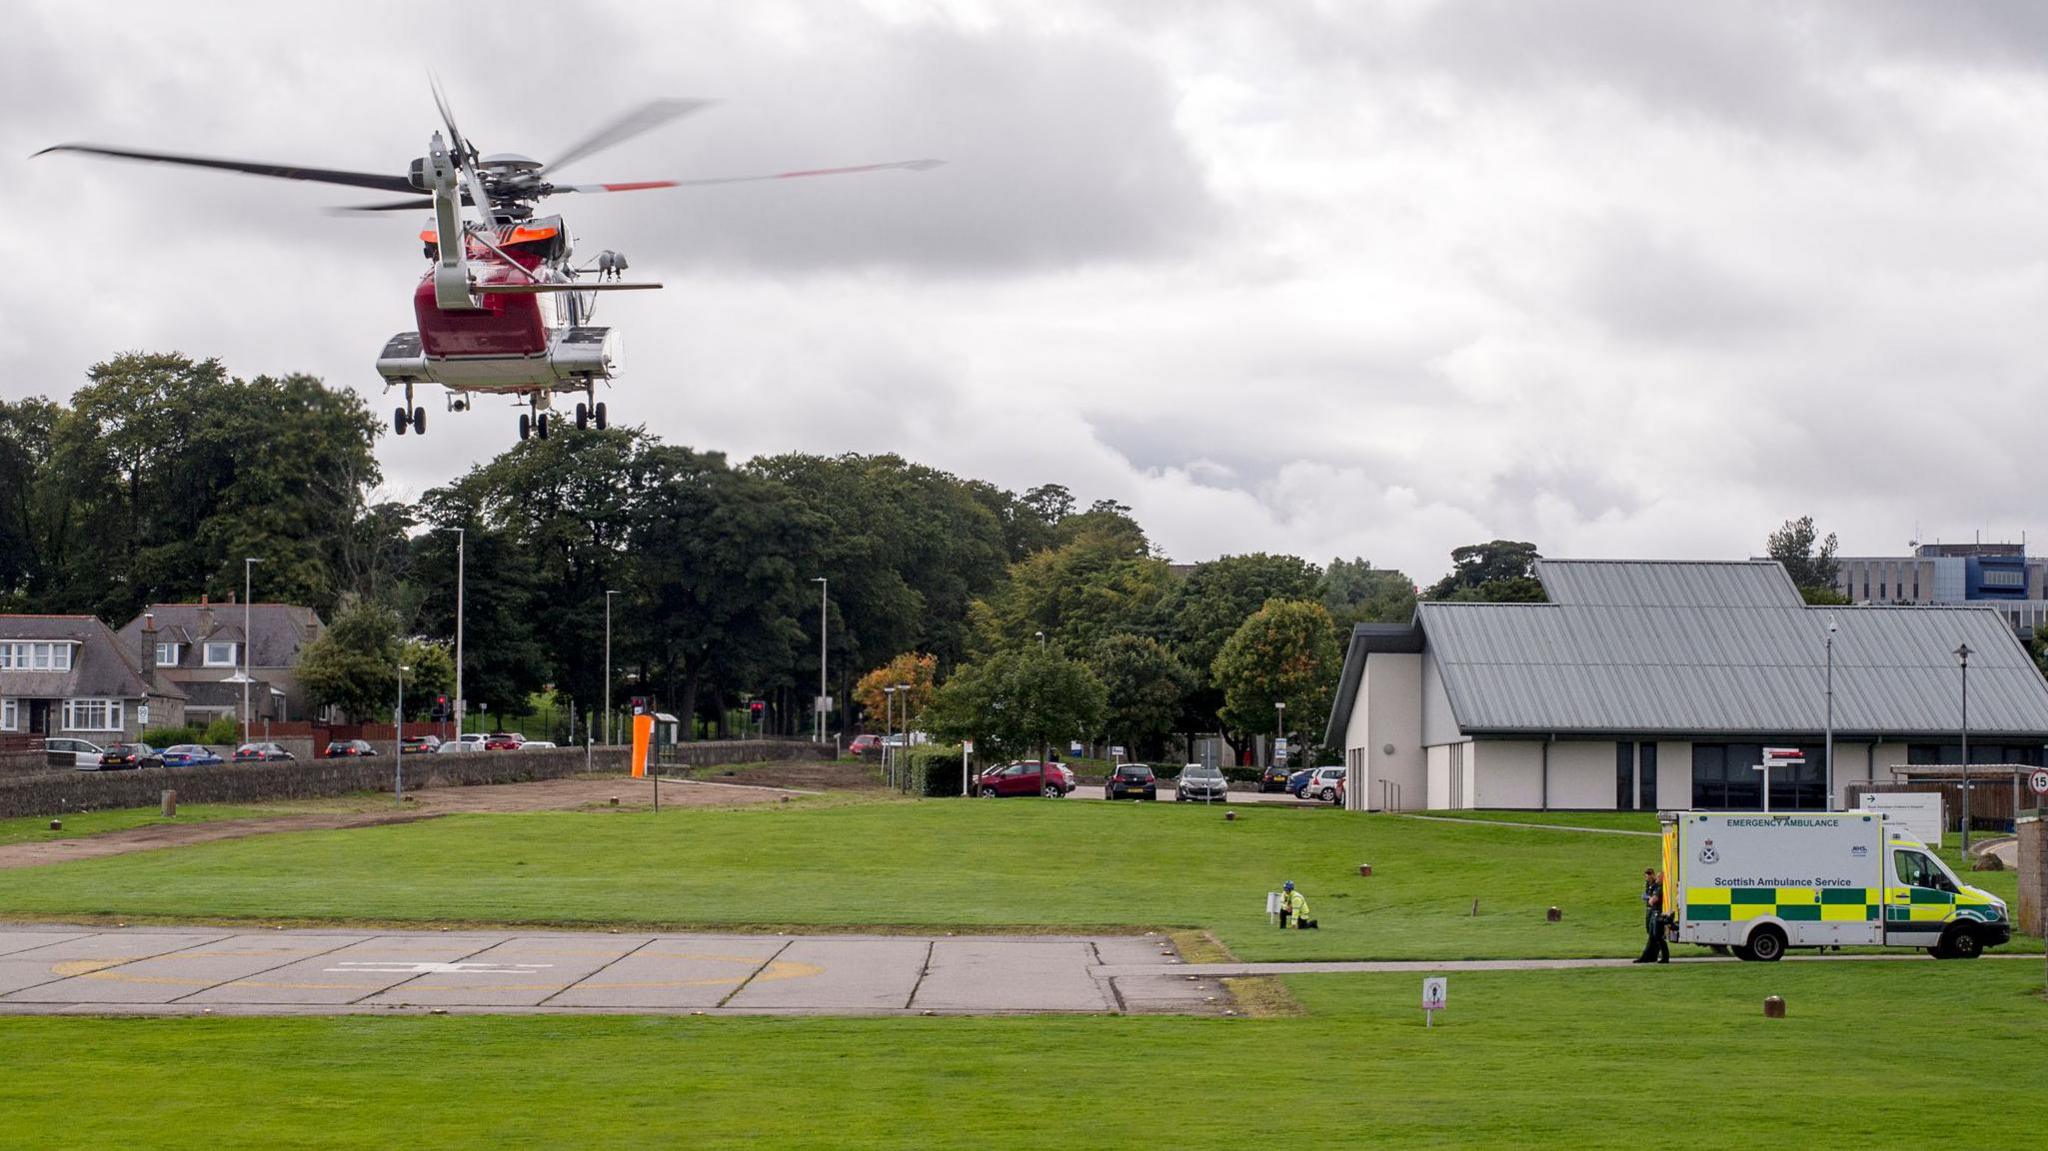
x,y
57,793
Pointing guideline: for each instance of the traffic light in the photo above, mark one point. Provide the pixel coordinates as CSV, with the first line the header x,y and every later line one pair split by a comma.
x,y
440,708
759,707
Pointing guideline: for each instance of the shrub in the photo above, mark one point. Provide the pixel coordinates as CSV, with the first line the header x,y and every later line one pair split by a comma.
x,y
223,730
166,736
932,769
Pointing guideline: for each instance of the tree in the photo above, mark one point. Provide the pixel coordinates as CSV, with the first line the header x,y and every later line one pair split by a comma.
x,y
1286,653
1144,686
1356,592
430,671
1501,571
918,669
1105,582
1792,545
1209,606
1019,700
352,666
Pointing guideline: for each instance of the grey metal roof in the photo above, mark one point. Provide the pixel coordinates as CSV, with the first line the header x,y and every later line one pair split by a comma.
x,y
1713,650
1665,583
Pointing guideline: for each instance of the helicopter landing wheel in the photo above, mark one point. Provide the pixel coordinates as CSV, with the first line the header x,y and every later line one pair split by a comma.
x,y
540,425
582,416
597,414
525,425
401,420
419,421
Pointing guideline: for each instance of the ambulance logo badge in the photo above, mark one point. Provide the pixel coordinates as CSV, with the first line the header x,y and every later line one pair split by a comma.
x,y
1708,854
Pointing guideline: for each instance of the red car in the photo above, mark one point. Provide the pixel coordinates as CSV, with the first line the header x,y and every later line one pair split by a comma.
x,y
865,745
504,741
1026,778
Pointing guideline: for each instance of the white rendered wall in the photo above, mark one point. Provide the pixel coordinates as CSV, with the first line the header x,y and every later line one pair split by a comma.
x,y
1387,712
1507,773
1582,774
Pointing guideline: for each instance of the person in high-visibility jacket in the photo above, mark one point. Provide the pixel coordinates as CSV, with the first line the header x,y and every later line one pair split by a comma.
x,y
1294,903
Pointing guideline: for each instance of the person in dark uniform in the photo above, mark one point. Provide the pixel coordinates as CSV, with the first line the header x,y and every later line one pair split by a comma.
x,y
1655,949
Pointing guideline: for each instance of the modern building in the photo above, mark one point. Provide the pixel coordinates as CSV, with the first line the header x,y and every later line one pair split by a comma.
x,y
199,647
1647,685
70,675
1996,575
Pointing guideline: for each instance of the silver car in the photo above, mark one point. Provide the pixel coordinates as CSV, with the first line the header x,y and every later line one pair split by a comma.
x,y
1201,782
64,751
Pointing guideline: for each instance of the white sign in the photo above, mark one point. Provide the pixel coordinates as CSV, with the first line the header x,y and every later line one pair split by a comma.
x,y
821,702
966,747
1783,756
142,714
1435,990
1272,903
1918,814
2039,782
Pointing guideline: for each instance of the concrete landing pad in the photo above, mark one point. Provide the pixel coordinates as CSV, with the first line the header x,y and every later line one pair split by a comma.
x,y
192,971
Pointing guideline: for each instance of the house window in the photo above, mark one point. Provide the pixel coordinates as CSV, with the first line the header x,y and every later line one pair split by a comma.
x,y
92,715
10,715
167,655
35,656
220,655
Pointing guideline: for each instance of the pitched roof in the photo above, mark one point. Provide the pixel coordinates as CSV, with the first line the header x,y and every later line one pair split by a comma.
x,y
1673,648
281,630
100,665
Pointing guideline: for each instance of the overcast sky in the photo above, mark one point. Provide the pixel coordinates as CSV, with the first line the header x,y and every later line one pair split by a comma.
x,y
1622,278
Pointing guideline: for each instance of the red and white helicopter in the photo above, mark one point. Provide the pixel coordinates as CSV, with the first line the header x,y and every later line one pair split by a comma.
x,y
503,310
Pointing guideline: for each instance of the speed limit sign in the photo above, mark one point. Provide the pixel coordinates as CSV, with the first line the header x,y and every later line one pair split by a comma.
x,y
2039,782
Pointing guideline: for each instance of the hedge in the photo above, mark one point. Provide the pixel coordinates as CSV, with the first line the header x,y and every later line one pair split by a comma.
x,y
932,770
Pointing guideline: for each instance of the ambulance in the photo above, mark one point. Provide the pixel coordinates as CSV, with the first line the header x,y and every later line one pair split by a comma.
x,y
1758,883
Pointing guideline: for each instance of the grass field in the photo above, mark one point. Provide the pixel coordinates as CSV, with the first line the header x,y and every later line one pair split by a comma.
x,y
1563,1059
36,828
917,864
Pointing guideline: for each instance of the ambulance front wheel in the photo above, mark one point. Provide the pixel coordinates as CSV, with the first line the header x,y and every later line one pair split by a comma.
x,y
1959,943
1766,945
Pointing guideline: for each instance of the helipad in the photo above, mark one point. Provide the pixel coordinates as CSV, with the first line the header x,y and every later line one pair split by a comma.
x,y
202,970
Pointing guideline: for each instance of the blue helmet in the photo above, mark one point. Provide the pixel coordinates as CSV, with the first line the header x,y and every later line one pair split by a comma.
x,y
1287,886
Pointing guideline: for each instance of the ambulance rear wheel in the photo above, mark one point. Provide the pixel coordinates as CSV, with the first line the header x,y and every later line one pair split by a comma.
x,y
401,420
597,414
1767,945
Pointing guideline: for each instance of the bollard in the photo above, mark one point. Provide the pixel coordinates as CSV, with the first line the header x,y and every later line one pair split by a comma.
x,y
56,825
170,801
1475,909
1774,1008
1230,817
615,801
1365,870
1553,916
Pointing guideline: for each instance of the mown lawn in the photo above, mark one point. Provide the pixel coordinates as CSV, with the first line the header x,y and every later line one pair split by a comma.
x,y
920,864
35,828
1871,1056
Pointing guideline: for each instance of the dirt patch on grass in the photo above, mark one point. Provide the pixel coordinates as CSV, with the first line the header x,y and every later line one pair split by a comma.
x,y
581,793
803,775
1256,996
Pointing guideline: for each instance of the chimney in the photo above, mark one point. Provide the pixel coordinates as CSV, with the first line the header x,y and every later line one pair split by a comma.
x,y
205,619
148,647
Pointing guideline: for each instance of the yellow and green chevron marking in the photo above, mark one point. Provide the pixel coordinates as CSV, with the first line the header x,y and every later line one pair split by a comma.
x,y
1791,904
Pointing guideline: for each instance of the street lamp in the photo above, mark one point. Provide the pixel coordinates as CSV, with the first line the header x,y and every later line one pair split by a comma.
x,y
248,566
461,557
1279,728
888,729
608,667
1041,639
1828,756
818,733
903,689
398,739
1963,657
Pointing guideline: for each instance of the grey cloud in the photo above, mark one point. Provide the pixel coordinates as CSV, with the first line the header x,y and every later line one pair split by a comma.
x,y
1651,288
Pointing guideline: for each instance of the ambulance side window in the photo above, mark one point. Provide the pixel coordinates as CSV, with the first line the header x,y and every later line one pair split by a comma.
x,y
1916,870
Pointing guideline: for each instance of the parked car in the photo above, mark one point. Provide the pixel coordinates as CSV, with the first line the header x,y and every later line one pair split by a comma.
x,y
1131,781
1026,777
64,751
865,744
348,749
262,753
189,755
1298,781
1274,778
537,745
474,738
457,746
1322,784
1201,782
117,756
503,741
419,744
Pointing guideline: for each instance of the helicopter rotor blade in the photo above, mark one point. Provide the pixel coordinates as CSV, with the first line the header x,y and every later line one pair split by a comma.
x,y
895,165
628,124
463,152
421,204
249,167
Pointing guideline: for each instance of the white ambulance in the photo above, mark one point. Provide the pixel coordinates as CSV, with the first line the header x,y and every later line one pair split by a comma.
x,y
1758,883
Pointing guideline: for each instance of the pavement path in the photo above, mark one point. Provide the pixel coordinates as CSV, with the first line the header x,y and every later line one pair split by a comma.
x,y
47,969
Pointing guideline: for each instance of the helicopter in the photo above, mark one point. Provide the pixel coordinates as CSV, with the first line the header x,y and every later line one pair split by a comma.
x,y
503,309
